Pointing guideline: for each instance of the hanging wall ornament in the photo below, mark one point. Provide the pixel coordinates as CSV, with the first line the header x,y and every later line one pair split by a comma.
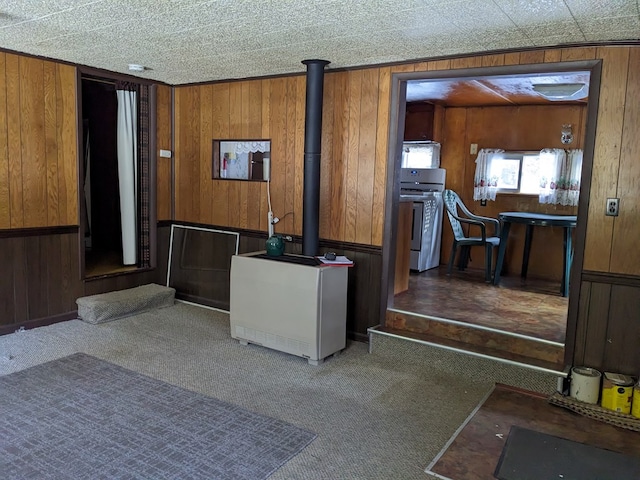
x,y
567,134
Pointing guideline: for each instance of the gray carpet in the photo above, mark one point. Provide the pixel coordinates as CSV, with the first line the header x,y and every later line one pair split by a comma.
x,y
380,415
81,417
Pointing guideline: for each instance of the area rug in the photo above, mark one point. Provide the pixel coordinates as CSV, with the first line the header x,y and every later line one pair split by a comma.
x,y
531,455
82,417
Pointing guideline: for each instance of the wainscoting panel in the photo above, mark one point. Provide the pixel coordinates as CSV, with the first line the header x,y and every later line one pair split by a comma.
x,y
40,279
363,309
608,332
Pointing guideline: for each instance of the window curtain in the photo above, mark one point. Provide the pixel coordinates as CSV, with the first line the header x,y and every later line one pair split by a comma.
x,y
560,173
485,186
127,140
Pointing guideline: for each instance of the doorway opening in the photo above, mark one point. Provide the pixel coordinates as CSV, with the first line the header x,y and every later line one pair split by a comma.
x,y
116,184
487,108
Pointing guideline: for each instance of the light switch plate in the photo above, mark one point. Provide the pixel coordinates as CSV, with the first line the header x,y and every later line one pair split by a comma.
x,y
165,153
474,149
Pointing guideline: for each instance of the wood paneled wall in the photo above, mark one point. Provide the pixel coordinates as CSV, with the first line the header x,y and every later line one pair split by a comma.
x,y
38,143
164,117
608,324
510,128
40,279
353,168
611,243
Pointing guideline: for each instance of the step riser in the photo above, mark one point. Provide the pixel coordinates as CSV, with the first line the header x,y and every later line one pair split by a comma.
x,y
474,336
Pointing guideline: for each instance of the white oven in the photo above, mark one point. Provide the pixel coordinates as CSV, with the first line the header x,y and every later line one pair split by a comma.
x,y
424,187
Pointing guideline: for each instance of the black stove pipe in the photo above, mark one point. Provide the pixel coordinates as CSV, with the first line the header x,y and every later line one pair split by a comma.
x,y
312,147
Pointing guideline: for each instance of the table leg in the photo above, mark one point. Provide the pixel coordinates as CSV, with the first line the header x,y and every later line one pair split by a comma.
x,y
527,250
568,258
504,234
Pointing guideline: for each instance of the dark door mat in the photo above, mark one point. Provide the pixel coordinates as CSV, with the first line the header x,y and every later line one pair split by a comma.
x,y
531,455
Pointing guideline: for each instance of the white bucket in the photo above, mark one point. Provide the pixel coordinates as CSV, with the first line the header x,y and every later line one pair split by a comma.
x,y
585,384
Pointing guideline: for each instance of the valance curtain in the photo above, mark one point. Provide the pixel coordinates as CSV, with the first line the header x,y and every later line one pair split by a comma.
x,y
485,186
560,173
127,126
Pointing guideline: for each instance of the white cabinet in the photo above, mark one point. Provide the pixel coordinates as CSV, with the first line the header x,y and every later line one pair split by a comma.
x,y
297,309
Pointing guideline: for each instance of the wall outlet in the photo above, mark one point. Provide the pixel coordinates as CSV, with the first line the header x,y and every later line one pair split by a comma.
x,y
474,149
612,207
165,153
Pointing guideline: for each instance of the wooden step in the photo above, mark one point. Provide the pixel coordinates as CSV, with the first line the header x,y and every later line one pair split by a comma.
x,y
478,339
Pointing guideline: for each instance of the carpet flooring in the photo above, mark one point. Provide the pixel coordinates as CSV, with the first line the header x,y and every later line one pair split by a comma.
x,y
379,415
82,417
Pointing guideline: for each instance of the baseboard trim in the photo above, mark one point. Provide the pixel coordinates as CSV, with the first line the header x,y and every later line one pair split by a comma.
x,y
38,322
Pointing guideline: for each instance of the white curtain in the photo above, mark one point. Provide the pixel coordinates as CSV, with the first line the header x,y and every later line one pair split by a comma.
x,y
485,186
127,173
560,173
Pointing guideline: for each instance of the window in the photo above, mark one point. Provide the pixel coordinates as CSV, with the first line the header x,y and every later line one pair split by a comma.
x,y
516,172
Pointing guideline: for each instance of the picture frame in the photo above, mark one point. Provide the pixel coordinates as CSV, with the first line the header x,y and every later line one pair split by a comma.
x,y
241,159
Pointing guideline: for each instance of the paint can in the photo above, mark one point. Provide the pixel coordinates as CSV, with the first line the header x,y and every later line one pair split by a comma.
x,y
616,392
585,384
635,405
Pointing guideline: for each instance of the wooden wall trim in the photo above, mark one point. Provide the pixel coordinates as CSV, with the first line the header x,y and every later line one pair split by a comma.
x,y
611,278
39,322
324,242
38,231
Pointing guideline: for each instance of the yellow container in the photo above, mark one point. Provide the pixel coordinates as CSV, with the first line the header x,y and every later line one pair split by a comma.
x,y
616,392
635,406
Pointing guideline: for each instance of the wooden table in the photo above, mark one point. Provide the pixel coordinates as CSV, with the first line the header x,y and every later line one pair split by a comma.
x,y
568,222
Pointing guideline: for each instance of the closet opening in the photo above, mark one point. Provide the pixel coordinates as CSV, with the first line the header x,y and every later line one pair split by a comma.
x,y
115,172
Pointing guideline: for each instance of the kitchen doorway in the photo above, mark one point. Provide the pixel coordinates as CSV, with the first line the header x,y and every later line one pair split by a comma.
x,y
463,298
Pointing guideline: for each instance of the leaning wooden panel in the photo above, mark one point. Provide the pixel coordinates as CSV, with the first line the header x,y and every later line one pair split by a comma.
x,y
350,211
34,162
14,140
5,199
606,159
66,106
625,254
366,155
381,162
51,142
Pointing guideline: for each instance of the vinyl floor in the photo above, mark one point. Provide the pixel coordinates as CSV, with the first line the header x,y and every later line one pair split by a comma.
x,y
530,307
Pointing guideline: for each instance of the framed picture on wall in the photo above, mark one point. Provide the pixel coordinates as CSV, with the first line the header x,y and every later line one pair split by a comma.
x,y
242,159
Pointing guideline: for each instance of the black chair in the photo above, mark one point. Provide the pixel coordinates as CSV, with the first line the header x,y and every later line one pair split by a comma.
x,y
459,214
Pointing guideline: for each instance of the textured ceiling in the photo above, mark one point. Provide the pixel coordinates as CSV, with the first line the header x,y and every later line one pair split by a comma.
x,y
185,41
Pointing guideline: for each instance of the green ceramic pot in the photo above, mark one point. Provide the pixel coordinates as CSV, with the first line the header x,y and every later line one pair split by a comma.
x,y
275,245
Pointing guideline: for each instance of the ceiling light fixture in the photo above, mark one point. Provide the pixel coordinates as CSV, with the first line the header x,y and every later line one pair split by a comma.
x,y
561,91
133,67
